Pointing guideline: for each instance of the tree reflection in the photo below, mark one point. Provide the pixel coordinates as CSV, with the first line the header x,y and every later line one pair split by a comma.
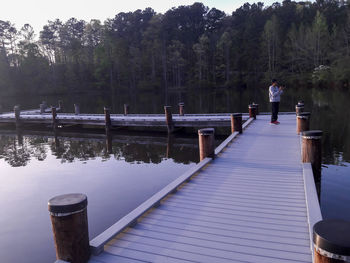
x,y
19,148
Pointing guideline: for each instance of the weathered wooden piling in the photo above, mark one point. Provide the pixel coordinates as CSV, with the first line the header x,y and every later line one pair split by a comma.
x,y
70,227
54,117
108,122
76,109
42,108
303,121
312,150
236,122
252,111
256,107
181,109
17,110
169,119
331,241
126,109
206,143
299,107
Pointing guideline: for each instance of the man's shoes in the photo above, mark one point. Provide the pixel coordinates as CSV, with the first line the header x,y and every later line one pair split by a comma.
x,y
275,122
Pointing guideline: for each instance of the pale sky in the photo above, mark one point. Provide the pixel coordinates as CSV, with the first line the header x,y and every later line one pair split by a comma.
x,y
38,12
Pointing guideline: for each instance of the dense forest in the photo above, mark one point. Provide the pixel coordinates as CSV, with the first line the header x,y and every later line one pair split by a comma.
x,y
187,48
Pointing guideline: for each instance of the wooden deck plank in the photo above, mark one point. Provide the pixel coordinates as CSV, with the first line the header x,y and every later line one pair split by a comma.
x,y
210,248
202,239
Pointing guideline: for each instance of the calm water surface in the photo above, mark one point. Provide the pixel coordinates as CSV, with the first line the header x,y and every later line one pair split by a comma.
x,y
120,174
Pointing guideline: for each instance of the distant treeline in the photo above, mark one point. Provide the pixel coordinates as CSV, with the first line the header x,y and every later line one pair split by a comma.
x,y
188,47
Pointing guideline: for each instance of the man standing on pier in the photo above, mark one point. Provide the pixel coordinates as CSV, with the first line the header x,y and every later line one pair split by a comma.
x,y
275,98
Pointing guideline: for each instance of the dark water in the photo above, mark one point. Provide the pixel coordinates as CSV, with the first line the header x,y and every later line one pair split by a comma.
x,y
120,173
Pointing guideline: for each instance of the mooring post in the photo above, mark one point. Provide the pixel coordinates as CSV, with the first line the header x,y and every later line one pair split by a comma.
x,y
236,122
303,121
312,150
252,111
331,239
42,108
54,117
76,109
206,143
299,107
17,110
181,109
126,109
169,119
70,227
108,122
256,108
60,105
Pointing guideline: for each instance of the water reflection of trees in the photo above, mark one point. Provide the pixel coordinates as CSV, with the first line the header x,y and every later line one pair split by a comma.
x,y
18,150
330,113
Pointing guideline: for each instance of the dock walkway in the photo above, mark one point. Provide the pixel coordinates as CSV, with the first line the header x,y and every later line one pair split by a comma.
x,y
253,203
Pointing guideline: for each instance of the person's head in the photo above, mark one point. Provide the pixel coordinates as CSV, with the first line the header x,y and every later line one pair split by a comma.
x,y
274,82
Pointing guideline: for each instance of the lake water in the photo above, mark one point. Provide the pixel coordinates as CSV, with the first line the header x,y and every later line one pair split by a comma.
x,y
120,174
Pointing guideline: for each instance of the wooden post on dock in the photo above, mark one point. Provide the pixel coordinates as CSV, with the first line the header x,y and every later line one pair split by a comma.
x,y
54,116
303,122
17,110
256,107
206,143
126,109
76,109
108,122
181,109
169,119
70,227
236,122
42,108
252,111
312,150
60,105
331,239
299,107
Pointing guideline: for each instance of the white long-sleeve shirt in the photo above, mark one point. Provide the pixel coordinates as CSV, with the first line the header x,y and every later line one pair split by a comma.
x,y
275,94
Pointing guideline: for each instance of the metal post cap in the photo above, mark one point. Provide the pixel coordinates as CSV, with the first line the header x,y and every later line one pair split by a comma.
x,y
304,113
312,133
235,115
68,203
181,104
206,131
333,236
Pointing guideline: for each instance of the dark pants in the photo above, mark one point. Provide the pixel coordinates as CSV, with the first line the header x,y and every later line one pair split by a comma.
x,y
274,108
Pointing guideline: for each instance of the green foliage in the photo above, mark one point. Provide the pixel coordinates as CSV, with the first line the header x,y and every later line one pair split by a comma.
x,y
187,47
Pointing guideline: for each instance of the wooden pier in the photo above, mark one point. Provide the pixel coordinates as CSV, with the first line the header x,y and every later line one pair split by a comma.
x,y
254,202
160,121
